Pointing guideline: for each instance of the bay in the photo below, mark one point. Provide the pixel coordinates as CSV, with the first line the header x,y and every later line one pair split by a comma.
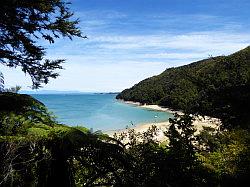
x,y
98,111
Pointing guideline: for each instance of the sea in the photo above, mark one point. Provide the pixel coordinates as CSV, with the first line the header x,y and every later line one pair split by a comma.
x,y
98,111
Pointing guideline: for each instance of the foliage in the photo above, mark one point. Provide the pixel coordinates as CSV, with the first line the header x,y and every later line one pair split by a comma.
x,y
19,112
157,164
218,87
227,156
35,153
182,159
25,22
38,151
15,89
1,82
19,164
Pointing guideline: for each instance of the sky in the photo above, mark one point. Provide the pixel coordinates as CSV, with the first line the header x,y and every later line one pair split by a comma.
x,y
130,40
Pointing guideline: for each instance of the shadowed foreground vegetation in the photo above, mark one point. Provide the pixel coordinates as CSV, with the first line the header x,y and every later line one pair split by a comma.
x,y
37,151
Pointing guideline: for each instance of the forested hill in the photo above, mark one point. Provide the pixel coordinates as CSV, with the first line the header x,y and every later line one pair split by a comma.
x,y
218,86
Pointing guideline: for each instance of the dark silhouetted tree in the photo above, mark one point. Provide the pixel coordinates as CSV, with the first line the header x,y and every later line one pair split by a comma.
x,y
25,22
182,159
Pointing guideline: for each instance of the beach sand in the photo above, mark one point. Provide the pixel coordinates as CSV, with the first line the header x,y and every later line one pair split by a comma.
x,y
153,107
199,123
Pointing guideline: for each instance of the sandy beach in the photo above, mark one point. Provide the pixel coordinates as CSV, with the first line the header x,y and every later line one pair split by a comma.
x,y
199,122
152,107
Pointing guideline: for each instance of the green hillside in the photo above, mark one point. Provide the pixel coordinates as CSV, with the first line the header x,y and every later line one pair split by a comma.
x,y
218,86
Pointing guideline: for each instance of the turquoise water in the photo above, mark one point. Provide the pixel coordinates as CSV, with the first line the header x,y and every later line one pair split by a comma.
x,y
98,111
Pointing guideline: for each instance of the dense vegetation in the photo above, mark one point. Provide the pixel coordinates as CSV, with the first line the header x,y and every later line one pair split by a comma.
x,y
36,150
218,87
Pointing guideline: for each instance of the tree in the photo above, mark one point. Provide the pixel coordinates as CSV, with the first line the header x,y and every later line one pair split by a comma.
x,y
183,163
1,82
25,22
14,89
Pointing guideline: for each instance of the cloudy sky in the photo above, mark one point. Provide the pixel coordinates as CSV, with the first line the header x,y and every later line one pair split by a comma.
x,y
129,40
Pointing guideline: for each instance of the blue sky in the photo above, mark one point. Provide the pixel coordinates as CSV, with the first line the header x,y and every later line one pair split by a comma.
x,y
129,40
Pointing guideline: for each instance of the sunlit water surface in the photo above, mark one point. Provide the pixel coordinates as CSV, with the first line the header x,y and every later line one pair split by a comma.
x,y
98,111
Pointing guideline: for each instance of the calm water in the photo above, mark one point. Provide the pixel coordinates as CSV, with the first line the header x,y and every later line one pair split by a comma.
x,y
98,111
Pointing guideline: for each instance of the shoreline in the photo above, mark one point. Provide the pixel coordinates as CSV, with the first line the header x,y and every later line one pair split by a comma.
x,y
199,122
152,107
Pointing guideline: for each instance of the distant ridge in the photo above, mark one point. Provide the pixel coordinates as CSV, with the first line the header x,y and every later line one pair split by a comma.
x,y
62,92
217,86
50,92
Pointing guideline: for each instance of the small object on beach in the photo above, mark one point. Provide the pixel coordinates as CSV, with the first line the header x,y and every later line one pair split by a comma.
x,y
132,123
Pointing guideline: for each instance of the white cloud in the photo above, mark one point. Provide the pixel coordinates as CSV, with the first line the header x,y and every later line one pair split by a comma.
x,y
216,41
112,61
